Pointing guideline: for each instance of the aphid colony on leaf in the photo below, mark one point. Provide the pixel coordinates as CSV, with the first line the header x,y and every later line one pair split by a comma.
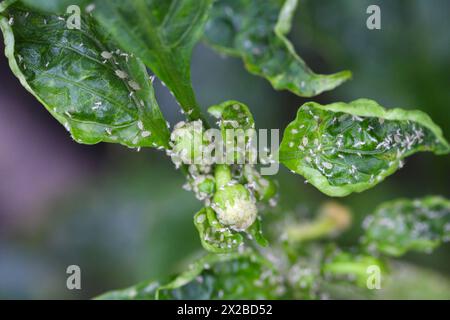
x,y
339,145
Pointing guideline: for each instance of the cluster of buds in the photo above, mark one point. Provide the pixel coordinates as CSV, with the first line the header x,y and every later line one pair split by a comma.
x,y
232,195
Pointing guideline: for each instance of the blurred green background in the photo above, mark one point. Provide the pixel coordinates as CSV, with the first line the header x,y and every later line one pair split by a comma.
x,y
123,217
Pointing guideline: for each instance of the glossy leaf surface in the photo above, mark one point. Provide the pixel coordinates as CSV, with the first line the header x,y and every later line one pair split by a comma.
x,y
98,92
256,32
343,148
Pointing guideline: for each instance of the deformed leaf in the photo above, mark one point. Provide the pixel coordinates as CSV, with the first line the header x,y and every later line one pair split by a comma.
x,y
256,32
402,225
162,34
214,236
343,148
243,275
83,79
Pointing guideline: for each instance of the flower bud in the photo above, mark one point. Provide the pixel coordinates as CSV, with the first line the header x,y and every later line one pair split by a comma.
x,y
188,141
235,207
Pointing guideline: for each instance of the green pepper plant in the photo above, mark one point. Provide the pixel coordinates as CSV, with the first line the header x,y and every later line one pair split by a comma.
x,y
88,62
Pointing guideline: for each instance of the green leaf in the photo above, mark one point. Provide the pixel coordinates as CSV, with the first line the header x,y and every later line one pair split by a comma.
x,y
256,32
255,230
232,276
343,148
352,267
402,225
214,236
97,93
162,34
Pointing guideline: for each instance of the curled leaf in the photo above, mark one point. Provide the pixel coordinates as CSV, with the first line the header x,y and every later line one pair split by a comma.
x,y
83,80
343,148
402,225
214,236
256,32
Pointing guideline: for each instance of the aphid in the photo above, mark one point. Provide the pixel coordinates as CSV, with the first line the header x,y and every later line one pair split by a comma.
x,y
134,85
121,74
305,141
327,165
11,21
90,8
124,55
106,55
145,134
140,125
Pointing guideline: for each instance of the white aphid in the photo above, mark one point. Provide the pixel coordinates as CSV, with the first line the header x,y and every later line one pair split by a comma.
x,y
106,55
121,74
134,85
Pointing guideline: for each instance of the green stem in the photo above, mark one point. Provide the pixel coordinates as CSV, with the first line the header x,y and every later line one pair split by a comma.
x,y
222,173
310,231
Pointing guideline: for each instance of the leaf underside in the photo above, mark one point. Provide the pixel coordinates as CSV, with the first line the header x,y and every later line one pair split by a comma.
x,y
97,91
343,148
255,31
402,225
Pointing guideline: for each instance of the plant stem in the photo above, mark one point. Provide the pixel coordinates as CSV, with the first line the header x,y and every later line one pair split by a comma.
x,y
222,173
310,231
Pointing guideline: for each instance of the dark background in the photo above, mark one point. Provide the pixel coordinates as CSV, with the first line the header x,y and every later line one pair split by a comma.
x,y
123,217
